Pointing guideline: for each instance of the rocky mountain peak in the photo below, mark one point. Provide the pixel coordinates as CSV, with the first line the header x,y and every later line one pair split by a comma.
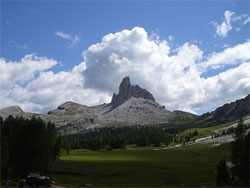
x,y
125,85
126,91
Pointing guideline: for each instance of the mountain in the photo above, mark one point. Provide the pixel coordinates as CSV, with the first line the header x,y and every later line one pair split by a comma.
x,y
12,110
227,113
133,105
126,91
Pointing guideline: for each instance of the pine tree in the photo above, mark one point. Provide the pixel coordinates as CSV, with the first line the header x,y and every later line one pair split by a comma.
x,y
27,145
240,156
222,176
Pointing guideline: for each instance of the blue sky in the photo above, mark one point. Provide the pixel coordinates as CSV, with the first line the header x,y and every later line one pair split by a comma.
x,y
64,30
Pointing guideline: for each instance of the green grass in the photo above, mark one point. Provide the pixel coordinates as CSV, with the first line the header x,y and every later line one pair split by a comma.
x,y
191,166
207,131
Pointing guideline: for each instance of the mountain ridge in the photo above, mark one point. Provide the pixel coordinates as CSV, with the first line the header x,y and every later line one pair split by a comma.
x,y
228,112
131,106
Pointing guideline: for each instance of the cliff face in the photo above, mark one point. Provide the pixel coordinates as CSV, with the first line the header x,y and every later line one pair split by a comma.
x,y
126,91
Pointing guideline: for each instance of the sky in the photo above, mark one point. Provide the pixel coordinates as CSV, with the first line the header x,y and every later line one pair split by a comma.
x,y
191,55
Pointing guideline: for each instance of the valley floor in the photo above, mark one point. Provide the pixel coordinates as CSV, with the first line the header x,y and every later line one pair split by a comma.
x,y
191,166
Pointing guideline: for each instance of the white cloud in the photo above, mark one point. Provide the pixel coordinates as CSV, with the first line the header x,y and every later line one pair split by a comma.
x,y
74,39
226,25
174,79
232,55
48,89
226,45
239,18
246,21
223,28
13,73
54,89
227,86
63,35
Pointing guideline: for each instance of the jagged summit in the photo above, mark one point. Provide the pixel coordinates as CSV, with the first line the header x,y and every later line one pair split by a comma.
x,y
131,106
126,91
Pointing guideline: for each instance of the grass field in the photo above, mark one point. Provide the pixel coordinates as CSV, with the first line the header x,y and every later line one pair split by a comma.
x,y
191,166
207,131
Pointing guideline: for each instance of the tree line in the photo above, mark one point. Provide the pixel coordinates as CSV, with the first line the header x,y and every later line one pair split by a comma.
x,y
118,137
27,146
238,175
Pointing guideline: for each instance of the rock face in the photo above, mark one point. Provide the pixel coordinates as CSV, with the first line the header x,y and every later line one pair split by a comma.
x,y
228,112
126,91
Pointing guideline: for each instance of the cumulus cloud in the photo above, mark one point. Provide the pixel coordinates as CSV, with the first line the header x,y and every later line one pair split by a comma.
x,y
74,39
227,86
18,72
223,28
47,90
175,79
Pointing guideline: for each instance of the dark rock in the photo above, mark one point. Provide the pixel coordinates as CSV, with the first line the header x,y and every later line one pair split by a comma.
x,y
91,120
126,90
60,107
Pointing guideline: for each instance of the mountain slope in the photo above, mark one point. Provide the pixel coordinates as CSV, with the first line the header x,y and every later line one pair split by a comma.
x,y
131,106
228,112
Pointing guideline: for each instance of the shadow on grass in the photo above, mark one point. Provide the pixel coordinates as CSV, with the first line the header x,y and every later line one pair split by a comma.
x,y
125,168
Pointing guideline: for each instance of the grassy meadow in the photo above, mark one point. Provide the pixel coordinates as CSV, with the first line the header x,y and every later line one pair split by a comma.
x,y
191,166
207,131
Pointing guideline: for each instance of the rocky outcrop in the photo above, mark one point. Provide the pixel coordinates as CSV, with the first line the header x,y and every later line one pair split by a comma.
x,y
126,91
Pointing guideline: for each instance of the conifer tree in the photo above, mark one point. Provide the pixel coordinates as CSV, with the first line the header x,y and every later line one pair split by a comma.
x,y
222,176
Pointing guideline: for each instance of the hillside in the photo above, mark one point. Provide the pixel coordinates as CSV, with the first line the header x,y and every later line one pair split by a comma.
x,y
133,105
227,113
